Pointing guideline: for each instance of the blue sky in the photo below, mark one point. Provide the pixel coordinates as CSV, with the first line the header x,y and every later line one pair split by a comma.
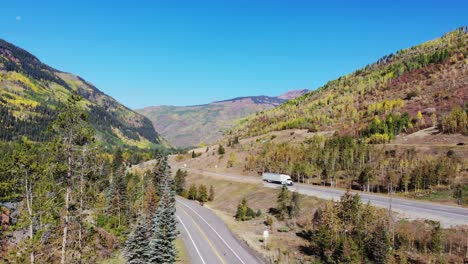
x,y
152,52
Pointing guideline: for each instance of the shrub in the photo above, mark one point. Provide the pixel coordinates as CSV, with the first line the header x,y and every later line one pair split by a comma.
x,y
232,160
461,194
259,213
411,95
283,229
195,154
212,193
202,194
456,121
378,139
269,221
192,192
221,150
244,212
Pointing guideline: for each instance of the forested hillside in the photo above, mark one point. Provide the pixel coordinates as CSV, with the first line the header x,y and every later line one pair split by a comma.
x,y
69,200
406,91
31,92
398,125
185,126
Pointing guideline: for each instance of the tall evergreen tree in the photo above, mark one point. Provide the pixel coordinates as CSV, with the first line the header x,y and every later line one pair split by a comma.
x,y
150,202
295,207
378,246
117,161
283,202
161,247
159,172
137,243
179,181
72,129
117,195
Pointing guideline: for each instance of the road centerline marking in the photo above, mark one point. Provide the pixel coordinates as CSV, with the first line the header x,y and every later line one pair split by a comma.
x,y
205,236
191,239
235,254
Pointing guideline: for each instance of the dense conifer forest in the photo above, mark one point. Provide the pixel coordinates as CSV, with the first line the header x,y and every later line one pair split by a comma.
x,y
69,200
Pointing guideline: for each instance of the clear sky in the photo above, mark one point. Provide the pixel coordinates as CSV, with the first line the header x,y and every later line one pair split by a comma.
x,y
152,52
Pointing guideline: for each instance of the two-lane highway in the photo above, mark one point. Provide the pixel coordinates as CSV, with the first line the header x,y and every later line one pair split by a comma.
x,y
207,238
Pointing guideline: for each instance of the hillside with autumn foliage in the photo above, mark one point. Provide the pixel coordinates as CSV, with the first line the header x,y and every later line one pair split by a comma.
x,y
412,89
31,92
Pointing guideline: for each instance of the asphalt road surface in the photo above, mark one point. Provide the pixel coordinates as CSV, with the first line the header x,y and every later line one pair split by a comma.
x,y
406,208
207,238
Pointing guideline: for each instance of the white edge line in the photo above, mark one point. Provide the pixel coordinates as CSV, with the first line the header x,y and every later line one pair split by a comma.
x,y
193,242
214,231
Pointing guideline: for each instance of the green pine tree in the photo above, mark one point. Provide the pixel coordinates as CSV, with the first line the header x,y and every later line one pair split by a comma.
x,y
437,239
72,130
378,247
179,181
117,196
202,194
283,202
241,213
221,150
117,161
193,192
137,243
295,207
161,247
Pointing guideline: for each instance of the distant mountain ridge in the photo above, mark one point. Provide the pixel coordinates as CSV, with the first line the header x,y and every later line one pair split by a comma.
x,y
293,94
262,99
184,126
31,93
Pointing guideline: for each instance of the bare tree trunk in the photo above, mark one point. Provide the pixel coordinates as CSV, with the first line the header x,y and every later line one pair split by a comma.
x,y
65,226
80,222
67,200
392,221
29,201
119,210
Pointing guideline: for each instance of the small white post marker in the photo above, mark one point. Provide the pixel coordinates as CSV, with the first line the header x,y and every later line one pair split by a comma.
x,y
265,237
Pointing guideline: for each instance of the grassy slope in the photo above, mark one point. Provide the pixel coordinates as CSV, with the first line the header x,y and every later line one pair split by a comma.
x,y
435,71
228,194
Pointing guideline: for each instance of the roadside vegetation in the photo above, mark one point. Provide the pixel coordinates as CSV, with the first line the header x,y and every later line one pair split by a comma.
x,y
306,229
69,200
350,163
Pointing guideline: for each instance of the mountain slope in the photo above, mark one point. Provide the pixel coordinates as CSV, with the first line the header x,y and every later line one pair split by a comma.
x,y
430,78
186,126
31,92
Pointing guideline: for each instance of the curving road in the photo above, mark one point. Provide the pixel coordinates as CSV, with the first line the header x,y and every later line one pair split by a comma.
x,y
207,238
445,214
412,209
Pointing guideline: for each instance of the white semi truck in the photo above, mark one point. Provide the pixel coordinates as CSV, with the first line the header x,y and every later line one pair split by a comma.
x,y
277,178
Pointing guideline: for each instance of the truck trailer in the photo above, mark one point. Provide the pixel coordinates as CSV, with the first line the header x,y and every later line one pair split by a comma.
x,y
277,178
